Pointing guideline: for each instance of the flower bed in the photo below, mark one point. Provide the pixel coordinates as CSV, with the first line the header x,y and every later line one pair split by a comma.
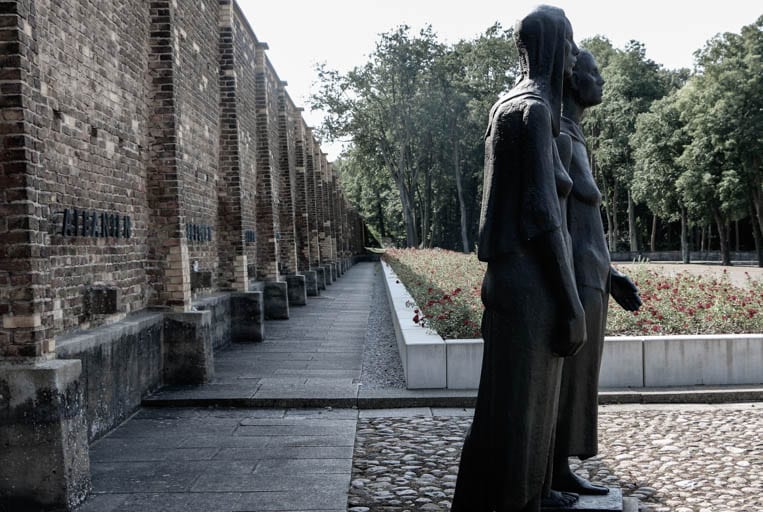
x,y
446,288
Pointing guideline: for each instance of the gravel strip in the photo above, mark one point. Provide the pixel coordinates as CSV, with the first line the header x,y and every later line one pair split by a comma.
x,y
382,367
672,458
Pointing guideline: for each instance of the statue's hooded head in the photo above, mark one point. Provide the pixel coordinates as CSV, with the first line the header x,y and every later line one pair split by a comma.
x,y
546,52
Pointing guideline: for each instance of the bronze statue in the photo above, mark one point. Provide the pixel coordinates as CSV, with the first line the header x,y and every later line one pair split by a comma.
x,y
577,417
533,315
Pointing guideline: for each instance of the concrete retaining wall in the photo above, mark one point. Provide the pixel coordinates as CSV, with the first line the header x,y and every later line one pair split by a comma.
x,y
121,363
628,361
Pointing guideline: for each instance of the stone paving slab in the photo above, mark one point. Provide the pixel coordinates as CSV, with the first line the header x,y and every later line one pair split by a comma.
x,y
225,460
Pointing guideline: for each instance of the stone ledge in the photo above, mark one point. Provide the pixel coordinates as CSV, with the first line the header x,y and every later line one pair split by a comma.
x,y
627,362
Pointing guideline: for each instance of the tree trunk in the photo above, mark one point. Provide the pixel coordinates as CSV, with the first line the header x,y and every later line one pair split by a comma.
x,y
380,216
736,234
685,249
613,227
702,239
460,192
653,237
723,239
632,235
757,236
408,215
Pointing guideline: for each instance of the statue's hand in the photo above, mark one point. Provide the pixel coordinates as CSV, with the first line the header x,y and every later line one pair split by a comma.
x,y
624,291
572,336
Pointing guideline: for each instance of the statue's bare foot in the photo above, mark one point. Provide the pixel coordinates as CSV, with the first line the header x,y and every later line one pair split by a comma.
x,y
556,499
570,482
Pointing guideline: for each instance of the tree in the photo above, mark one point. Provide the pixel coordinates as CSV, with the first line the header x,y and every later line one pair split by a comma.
x,y
658,142
633,82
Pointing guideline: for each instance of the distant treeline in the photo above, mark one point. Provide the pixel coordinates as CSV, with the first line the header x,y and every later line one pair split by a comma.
x,y
677,154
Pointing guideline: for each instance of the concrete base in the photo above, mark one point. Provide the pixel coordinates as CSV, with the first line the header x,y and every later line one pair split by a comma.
x,y
247,317
328,269
121,363
296,289
320,275
44,460
311,283
337,270
276,297
188,355
611,502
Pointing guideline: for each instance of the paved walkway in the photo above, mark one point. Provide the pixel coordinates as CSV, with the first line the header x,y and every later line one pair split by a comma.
x,y
276,431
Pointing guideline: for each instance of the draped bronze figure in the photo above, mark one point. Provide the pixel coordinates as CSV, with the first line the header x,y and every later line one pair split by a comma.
x,y
533,316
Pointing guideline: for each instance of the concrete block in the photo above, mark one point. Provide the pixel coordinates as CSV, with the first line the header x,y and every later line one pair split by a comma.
x,y
464,363
311,283
201,280
622,362
44,460
708,360
329,273
426,358
276,297
296,289
247,317
187,348
320,276
121,364
102,300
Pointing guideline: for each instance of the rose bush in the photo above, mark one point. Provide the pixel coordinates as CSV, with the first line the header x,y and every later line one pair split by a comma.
x,y
446,288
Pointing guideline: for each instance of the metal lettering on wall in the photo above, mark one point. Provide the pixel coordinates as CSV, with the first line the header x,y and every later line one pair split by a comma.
x,y
198,232
95,224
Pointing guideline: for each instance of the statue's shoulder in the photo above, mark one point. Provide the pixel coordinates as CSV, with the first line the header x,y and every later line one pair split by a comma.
x,y
526,110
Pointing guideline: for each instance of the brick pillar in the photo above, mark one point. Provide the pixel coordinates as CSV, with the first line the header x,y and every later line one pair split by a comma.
x,y
267,166
24,283
44,457
287,182
302,218
312,174
327,253
232,256
169,268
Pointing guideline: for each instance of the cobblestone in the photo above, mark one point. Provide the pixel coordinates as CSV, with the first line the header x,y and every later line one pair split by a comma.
x,y
673,458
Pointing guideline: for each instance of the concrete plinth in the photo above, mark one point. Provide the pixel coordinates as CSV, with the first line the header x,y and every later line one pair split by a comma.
x,y
296,289
44,459
328,270
188,355
320,275
276,297
337,270
311,283
247,317
611,502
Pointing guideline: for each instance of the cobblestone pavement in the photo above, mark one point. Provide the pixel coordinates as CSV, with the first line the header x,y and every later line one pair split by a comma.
x,y
678,458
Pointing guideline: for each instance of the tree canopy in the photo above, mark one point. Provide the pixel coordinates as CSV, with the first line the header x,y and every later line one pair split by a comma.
x,y
670,149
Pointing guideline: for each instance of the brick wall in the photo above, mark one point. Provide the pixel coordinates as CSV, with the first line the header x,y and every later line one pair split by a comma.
x,y
287,249
142,142
302,220
266,138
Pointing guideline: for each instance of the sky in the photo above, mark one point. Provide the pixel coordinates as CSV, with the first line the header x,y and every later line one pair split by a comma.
x,y
342,33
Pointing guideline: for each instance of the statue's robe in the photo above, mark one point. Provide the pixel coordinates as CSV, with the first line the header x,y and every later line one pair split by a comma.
x,y
578,399
506,457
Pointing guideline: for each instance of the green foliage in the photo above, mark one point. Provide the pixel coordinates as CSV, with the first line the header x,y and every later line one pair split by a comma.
x,y
416,114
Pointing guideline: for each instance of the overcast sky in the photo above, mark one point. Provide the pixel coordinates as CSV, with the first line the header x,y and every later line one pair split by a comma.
x,y
342,33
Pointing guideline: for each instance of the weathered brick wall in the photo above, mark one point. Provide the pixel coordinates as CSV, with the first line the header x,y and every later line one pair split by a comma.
x,y
24,284
237,184
93,63
196,87
287,248
143,140
266,138
312,167
302,218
